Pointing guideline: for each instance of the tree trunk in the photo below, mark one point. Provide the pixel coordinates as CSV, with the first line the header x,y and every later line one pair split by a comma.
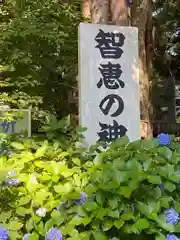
x,y
120,14
139,19
117,12
86,8
100,11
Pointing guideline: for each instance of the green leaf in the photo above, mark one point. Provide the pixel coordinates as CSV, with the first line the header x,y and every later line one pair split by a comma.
x,y
127,216
142,224
29,225
15,225
13,235
4,216
101,213
63,189
154,179
40,197
165,152
177,205
40,229
76,161
33,236
113,214
113,203
107,224
125,191
90,206
119,142
17,145
165,201
169,186
24,200
21,211
160,236
48,225
57,218
119,223
98,160
41,151
75,234
98,235
51,204
143,208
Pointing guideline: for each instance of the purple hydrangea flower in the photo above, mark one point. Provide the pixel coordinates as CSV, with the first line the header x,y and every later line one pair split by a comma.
x,y
26,236
12,181
171,237
3,233
164,139
81,200
41,212
172,217
54,234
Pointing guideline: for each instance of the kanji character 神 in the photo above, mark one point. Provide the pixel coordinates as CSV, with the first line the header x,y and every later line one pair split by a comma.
x,y
111,99
110,44
111,74
109,133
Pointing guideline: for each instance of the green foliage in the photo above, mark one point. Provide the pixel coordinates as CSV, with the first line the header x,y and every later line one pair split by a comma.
x,y
38,55
125,197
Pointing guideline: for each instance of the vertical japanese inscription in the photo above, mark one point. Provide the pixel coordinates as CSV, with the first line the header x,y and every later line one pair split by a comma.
x,y
110,45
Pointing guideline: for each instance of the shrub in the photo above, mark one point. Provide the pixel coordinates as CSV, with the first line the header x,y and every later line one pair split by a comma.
x,y
131,190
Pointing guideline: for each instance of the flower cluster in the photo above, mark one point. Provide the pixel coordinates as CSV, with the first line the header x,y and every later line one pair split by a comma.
x,y
26,236
171,237
11,179
81,200
54,233
172,217
3,234
164,139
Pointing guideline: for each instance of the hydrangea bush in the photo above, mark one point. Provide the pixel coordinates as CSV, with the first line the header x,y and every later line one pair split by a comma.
x,y
52,190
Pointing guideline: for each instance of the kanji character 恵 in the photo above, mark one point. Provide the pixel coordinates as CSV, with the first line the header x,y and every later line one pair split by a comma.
x,y
111,74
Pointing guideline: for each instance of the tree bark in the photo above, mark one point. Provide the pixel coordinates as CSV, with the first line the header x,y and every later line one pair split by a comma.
x,y
139,14
86,8
100,11
120,14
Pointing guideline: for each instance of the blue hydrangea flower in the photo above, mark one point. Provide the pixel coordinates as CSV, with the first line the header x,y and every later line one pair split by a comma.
x,y
10,180
172,217
3,233
26,236
81,200
164,139
54,234
171,237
